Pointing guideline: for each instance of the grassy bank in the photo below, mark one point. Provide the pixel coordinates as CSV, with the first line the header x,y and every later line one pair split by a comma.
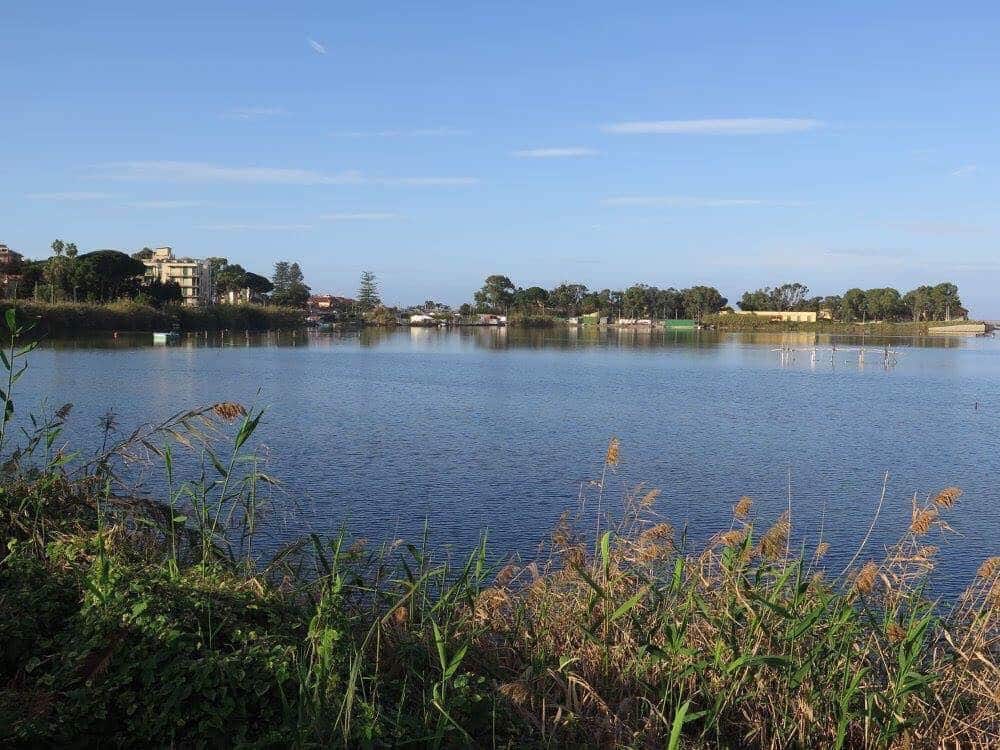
x,y
522,319
753,323
75,317
132,622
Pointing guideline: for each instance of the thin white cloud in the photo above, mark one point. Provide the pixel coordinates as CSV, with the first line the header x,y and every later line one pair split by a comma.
x,y
255,227
731,126
253,113
184,171
686,201
942,228
965,171
317,47
425,181
416,133
71,196
165,204
361,216
554,153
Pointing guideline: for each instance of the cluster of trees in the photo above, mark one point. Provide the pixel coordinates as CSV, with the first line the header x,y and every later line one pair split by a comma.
x,y
232,277
499,294
289,287
97,276
940,302
108,275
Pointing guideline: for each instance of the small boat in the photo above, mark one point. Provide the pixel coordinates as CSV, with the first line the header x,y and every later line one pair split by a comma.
x,y
163,337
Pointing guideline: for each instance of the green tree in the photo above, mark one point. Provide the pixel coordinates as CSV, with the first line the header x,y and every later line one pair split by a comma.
x,y
883,304
160,293
533,296
945,302
566,298
290,288
105,275
496,294
702,300
636,301
368,292
257,284
230,278
853,307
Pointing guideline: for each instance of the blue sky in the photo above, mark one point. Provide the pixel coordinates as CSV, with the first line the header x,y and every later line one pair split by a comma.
x,y
673,143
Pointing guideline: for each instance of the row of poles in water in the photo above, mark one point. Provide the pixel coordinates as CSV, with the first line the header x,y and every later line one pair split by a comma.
x,y
881,356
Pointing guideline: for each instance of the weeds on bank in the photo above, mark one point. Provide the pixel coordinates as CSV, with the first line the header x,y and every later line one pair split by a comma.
x,y
128,621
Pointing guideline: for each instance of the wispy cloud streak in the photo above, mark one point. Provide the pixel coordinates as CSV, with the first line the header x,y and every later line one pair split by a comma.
x,y
71,196
318,48
184,171
361,216
400,133
554,153
254,113
255,227
165,204
685,201
965,171
730,126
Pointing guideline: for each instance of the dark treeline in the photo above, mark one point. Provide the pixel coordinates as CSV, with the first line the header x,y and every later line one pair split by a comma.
x,y
940,302
104,276
98,276
500,294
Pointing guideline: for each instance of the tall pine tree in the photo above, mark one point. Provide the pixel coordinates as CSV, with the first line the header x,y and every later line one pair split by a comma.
x,y
368,297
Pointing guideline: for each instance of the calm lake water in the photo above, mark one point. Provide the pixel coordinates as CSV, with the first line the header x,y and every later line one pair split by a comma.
x,y
497,429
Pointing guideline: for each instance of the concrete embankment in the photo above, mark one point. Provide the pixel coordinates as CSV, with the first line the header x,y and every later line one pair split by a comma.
x,y
964,329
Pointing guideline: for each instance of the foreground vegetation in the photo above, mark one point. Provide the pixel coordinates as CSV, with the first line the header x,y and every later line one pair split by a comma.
x,y
128,621
80,317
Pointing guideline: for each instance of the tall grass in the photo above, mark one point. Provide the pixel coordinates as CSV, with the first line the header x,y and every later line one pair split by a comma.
x,y
127,315
128,621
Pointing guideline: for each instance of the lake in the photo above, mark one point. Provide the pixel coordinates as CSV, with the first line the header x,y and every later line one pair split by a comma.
x,y
503,430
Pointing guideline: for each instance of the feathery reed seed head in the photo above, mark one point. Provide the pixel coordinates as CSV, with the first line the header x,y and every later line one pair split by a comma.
x,y
611,457
990,566
821,549
742,507
516,692
773,543
229,411
865,580
946,498
649,498
923,521
732,538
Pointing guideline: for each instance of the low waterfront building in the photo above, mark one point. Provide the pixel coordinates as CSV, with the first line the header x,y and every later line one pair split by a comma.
x,y
193,276
788,316
331,302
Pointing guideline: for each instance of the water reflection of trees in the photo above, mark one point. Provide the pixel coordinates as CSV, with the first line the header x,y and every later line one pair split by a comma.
x,y
499,338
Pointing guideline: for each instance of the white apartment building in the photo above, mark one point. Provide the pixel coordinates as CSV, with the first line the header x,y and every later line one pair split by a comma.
x,y
193,276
